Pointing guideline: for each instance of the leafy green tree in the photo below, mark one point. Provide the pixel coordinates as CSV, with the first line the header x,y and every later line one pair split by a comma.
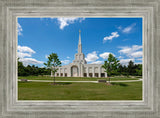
x,y
41,71
138,70
111,65
29,70
123,70
21,69
52,63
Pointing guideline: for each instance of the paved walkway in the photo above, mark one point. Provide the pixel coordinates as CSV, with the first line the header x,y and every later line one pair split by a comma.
x,y
83,81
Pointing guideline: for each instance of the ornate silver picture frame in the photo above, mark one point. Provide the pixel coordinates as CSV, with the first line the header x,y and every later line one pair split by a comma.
x,y
10,107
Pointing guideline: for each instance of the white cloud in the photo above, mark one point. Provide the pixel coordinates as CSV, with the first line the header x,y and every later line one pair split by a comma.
x,y
27,61
65,61
92,57
136,47
120,57
138,63
68,57
113,35
128,29
139,59
133,51
63,22
25,49
125,50
137,54
125,61
105,55
22,54
19,29
97,62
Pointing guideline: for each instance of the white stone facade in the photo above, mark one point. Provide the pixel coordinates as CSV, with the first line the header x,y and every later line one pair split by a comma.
x,y
79,67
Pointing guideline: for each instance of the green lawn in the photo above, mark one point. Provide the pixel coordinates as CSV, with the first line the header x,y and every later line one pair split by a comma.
x,y
74,78
79,91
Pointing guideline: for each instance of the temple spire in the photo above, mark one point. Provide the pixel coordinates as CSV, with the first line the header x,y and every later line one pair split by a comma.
x,y
79,44
79,37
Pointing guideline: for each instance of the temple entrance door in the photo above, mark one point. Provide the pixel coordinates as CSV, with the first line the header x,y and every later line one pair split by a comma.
x,y
74,71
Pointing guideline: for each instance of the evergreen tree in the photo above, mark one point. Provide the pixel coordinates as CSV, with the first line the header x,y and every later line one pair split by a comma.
x,y
131,68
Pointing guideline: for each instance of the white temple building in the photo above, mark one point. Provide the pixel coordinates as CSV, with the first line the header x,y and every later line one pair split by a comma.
x,y
79,66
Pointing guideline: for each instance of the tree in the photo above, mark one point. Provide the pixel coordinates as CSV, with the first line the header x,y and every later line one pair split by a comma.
x,y
131,68
125,70
138,70
120,69
52,63
111,65
21,69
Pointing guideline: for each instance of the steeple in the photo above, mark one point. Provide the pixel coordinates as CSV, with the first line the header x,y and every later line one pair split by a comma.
x,y
79,37
80,57
79,44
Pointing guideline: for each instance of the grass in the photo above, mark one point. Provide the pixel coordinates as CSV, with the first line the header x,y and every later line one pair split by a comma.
x,y
74,78
79,91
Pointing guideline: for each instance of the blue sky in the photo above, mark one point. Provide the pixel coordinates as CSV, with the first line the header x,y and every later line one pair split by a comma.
x,y
39,37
